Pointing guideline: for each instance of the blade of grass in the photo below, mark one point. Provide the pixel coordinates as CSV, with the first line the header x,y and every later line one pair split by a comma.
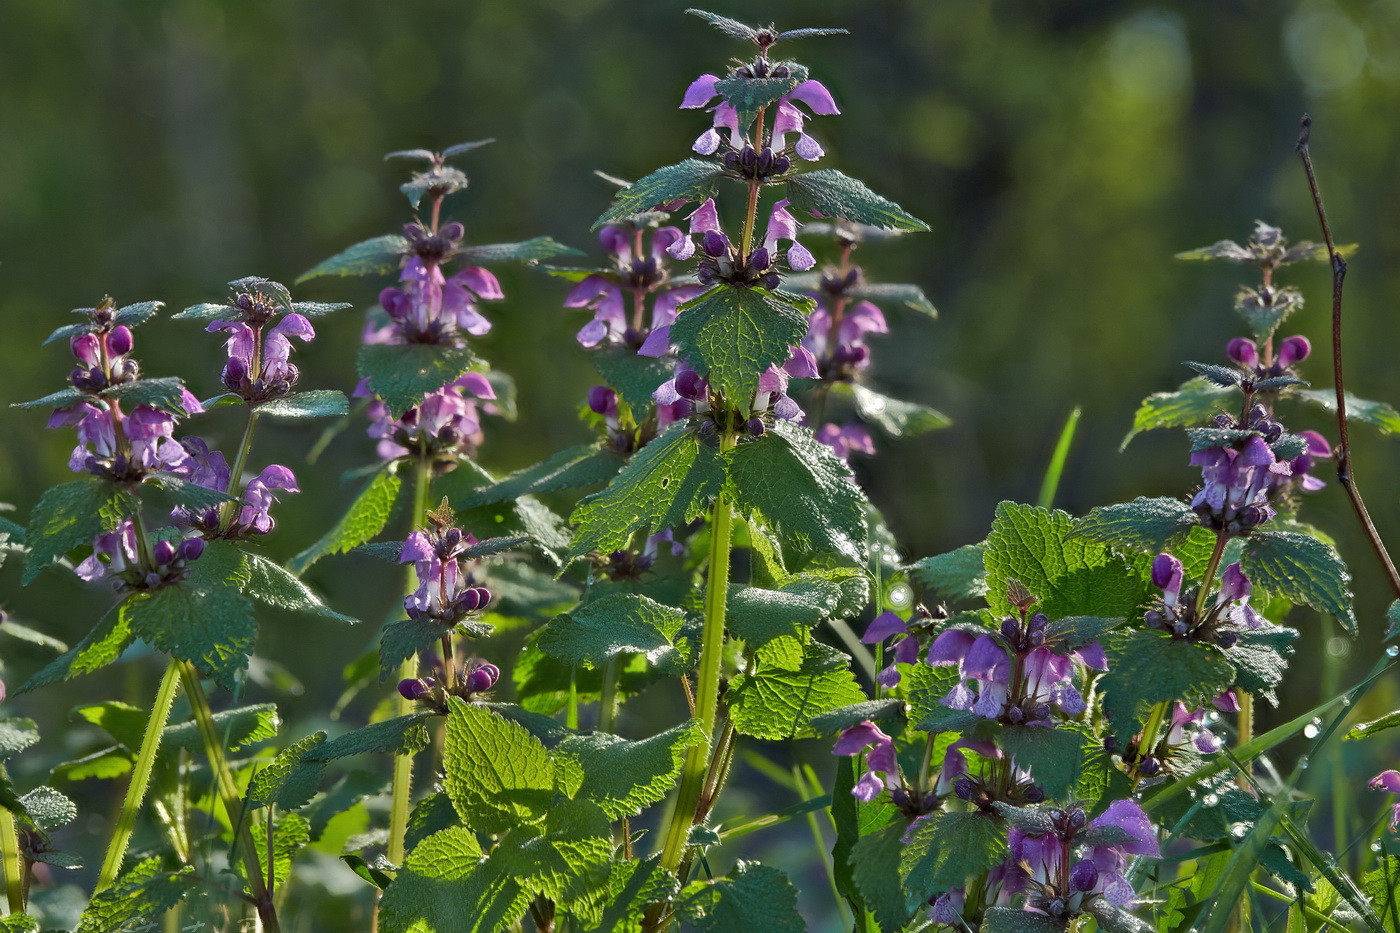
x,y
1056,469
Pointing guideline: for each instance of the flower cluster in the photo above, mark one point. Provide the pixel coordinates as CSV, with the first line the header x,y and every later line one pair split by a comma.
x,y
431,307
259,366
116,555
722,261
209,468
638,270
472,684
774,156
1219,623
447,423
447,593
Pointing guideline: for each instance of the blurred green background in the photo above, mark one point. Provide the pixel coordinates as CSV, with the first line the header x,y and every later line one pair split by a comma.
x,y
1061,151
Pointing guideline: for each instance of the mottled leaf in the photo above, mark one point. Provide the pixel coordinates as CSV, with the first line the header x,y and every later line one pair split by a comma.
x,y
691,180
732,335
1301,569
828,193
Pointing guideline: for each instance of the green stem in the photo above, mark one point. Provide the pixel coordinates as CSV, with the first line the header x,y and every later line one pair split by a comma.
x,y
140,776
229,795
697,761
11,865
403,764
571,712
751,214
607,703
240,461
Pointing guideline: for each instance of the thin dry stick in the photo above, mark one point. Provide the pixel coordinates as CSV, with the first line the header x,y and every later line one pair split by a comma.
x,y
1339,274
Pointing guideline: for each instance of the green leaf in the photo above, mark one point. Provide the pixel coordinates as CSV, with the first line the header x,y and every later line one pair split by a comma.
x,y
379,256
874,862
140,896
274,585
1376,414
844,717
1070,576
290,781
1363,729
927,686
1012,920
237,728
430,815
1150,525
443,180
1196,402
569,863
214,629
100,647
635,377
780,704
911,296
318,403
290,834
166,394
758,616
1053,756
365,518
1301,569
1146,668
69,515
444,885
16,734
163,492
398,736
404,375
666,484
959,574
748,95
18,923
498,775
584,465
828,193
895,417
205,312
632,887
402,640
616,624
63,399
691,180
527,251
944,850
800,489
1260,657
751,897
315,309
1382,886
625,777
732,335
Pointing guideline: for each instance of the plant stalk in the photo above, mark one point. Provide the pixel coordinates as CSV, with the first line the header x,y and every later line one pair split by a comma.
x,y
403,764
229,795
140,776
607,703
1343,449
11,864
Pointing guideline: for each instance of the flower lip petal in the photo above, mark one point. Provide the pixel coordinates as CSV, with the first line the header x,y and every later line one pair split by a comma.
x,y
1388,781
700,92
815,95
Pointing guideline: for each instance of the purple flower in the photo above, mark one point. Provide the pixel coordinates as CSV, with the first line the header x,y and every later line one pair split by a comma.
x,y
209,469
115,555
1300,466
787,119
1220,622
847,439
636,272
1238,480
1064,886
446,592
103,354
905,650
721,261
445,423
432,308
1388,781
840,346
259,359
882,765
124,449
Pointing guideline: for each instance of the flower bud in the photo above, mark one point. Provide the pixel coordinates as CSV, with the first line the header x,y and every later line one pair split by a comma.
x,y
755,427
760,259
602,400
1243,351
191,548
469,600
715,243
412,688
1084,876
1035,794
1149,766
963,788
1293,350
163,552
453,232
689,384
119,341
1166,570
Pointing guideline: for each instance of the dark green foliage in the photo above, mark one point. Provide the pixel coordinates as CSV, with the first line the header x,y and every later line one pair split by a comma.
x,y
166,394
615,624
751,897
584,465
498,775
667,483
1363,729
799,487
1150,525
959,574
748,95
70,515
846,716
1071,576
691,180
831,194
1053,756
1145,667
632,886
378,256
874,868
1011,920
635,377
430,815
1261,658
1377,414
290,781
624,777
1211,438
911,296
403,375
141,894
440,181
895,417
63,399
365,519
779,704
274,585
1197,401
402,640
400,735
1222,376
946,849
18,923
99,647
758,615
316,403
732,335
1301,569
162,492
444,885
237,728
528,251
927,687
211,627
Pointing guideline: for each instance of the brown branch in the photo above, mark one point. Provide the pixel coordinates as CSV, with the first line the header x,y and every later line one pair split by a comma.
x,y
1339,274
